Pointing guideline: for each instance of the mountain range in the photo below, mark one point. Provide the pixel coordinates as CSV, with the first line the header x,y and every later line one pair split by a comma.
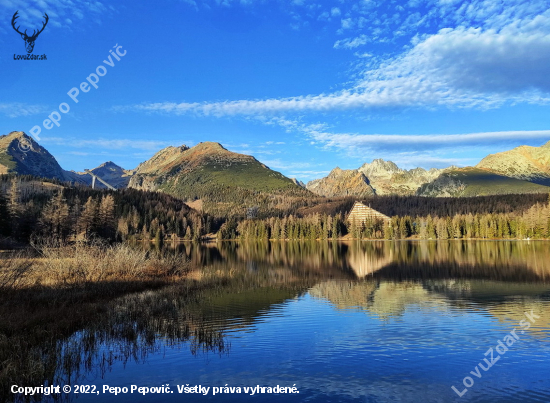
x,y
524,169
211,173
206,172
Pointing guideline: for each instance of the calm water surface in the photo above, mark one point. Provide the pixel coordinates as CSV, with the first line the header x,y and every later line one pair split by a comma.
x,y
363,322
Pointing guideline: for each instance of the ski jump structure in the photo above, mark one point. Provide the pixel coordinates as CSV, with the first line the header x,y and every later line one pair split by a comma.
x,y
94,177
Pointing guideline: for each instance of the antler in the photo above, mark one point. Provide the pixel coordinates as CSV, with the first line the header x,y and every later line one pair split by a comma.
x,y
34,35
15,16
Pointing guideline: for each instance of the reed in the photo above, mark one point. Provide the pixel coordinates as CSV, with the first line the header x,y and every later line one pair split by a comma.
x,y
50,291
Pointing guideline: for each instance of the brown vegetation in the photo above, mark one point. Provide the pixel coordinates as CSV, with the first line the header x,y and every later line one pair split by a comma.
x,y
62,266
49,292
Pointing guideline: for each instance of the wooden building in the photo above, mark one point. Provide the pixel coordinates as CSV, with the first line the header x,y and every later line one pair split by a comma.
x,y
361,213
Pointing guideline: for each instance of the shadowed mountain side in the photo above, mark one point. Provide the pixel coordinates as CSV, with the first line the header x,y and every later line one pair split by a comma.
x,y
525,162
20,154
466,182
111,173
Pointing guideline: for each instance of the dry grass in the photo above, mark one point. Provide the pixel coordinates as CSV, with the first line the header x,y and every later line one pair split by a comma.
x,y
64,266
15,271
50,291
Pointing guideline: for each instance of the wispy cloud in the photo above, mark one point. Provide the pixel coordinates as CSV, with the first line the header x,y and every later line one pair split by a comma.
x,y
351,43
111,144
395,141
17,109
409,147
503,60
63,13
307,175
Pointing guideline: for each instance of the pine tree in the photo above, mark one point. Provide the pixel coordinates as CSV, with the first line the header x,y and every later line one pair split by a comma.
x,y
74,216
430,228
55,218
5,217
106,215
14,204
159,237
89,218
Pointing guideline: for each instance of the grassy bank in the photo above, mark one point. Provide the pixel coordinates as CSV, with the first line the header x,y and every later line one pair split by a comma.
x,y
47,293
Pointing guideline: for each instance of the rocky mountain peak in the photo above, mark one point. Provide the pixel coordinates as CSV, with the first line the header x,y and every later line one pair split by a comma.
x,y
524,162
298,182
342,182
108,164
210,146
20,154
335,172
379,167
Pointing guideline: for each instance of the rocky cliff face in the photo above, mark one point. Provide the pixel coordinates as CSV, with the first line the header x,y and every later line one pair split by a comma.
x,y
20,154
342,183
523,169
387,178
298,182
378,177
527,163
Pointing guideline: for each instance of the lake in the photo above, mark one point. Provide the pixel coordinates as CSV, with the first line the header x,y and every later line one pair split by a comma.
x,y
338,322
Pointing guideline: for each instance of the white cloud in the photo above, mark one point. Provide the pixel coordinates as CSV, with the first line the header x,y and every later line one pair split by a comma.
x,y
505,61
513,60
411,148
111,144
461,67
17,109
351,43
347,23
60,12
347,140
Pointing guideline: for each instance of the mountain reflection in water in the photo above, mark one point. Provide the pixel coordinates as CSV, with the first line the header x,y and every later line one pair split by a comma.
x,y
366,321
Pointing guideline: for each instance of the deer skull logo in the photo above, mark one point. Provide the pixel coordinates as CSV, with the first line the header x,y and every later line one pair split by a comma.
x,y
29,40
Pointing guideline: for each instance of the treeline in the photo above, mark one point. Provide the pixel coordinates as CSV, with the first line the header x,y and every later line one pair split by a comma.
x,y
29,207
417,206
311,227
533,223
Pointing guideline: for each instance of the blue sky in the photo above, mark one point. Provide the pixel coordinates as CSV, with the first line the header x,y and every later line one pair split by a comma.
x,y
303,85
